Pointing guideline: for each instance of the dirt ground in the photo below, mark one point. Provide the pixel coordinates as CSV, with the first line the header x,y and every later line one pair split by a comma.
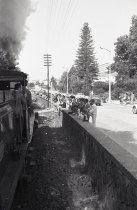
x,y
55,183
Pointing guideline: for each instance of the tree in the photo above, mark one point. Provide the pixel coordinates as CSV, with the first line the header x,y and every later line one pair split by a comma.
x,y
126,54
54,83
125,60
63,82
73,83
121,64
100,87
85,64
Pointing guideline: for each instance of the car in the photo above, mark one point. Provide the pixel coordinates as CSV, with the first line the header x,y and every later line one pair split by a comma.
x,y
134,108
98,100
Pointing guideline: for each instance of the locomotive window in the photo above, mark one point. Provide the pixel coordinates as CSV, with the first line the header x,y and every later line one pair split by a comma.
x,y
4,85
12,85
1,96
6,91
6,96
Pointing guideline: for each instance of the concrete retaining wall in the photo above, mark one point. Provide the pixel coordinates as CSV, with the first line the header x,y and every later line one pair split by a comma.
x,y
113,169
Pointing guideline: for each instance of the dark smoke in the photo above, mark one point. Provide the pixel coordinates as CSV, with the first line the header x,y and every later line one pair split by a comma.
x,y
13,15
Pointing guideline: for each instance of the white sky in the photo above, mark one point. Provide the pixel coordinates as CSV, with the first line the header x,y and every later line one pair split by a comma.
x,y
55,27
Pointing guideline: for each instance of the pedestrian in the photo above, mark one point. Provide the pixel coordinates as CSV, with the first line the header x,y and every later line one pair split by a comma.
x,y
81,107
74,106
85,110
62,105
92,111
132,97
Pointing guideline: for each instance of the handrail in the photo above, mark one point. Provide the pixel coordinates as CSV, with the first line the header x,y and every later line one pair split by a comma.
x,y
3,104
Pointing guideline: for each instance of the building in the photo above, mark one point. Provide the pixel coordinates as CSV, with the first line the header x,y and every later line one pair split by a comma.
x,y
104,74
104,77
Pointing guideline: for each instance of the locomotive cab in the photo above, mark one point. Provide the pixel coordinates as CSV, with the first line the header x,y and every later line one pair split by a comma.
x,y
14,137
12,127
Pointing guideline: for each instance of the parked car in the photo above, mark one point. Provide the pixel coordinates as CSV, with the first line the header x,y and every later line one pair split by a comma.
x,y
98,100
134,108
104,100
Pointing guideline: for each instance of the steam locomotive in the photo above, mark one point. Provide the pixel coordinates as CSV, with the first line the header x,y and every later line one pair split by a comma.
x,y
12,152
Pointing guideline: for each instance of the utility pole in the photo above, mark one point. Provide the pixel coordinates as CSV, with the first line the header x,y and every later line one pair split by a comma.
x,y
51,101
67,82
48,63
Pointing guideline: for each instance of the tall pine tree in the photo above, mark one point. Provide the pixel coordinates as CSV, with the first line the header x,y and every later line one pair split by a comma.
x,y
86,64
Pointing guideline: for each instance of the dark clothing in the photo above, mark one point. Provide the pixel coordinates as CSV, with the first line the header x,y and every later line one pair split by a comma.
x,y
74,107
18,114
63,105
28,97
27,112
19,103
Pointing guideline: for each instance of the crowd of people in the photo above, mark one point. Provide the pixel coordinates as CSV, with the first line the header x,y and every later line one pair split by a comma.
x,y
81,107
127,97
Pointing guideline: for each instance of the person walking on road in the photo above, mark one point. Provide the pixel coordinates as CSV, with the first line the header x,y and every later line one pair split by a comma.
x,y
132,97
92,111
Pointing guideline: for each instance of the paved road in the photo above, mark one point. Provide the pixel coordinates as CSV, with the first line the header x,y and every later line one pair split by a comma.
x,y
119,123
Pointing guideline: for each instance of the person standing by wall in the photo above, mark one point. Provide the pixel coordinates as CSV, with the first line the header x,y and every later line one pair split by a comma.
x,y
132,97
85,110
92,111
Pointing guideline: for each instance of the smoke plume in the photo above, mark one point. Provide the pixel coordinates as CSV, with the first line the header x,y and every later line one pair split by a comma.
x,y
13,14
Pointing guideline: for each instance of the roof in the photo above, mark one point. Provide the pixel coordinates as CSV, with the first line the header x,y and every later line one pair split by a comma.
x,y
13,76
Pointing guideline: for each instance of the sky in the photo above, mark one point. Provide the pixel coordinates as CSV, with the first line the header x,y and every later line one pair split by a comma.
x,y
54,28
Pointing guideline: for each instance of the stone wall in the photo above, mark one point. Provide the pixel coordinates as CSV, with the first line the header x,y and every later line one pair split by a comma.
x,y
113,170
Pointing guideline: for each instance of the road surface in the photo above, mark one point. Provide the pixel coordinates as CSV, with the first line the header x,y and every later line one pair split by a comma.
x,y
119,123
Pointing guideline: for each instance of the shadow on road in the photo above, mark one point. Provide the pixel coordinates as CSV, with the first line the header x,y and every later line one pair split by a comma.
x,y
124,138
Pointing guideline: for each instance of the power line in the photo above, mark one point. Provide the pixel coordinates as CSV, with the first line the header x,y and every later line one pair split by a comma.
x,y
67,12
55,18
73,12
50,11
59,18
104,64
47,63
69,17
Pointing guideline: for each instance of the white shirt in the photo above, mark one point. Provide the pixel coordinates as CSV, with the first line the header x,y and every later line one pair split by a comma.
x,y
93,110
